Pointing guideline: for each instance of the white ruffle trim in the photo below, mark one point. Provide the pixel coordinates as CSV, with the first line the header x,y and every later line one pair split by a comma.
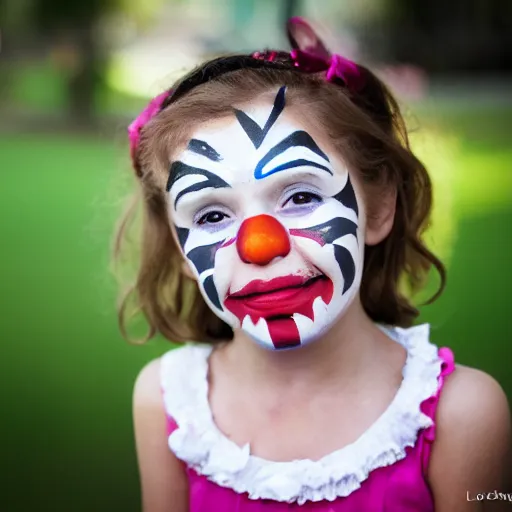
x,y
198,442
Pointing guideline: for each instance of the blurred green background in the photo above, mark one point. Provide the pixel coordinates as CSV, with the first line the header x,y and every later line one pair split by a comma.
x,y
73,75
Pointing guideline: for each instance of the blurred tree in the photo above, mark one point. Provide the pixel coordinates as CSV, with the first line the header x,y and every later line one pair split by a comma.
x,y
79,36
73,28
451,35
13,16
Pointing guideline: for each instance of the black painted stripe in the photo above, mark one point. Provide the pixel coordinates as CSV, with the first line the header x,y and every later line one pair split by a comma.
x,y
203,256
211,292
202,147
179,170
346,264
182,235
255,133
299,138
347,197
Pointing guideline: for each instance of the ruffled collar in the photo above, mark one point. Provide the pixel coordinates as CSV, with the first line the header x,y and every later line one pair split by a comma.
x,y
198,442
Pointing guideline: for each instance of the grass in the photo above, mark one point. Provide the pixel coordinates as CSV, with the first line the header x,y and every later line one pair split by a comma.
x,y
42,87
472,316
67,373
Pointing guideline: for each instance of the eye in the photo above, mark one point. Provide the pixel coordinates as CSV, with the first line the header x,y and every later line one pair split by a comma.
x,y
300,198
212,218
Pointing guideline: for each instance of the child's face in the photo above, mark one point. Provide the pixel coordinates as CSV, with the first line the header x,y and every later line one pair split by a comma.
x,y
270,224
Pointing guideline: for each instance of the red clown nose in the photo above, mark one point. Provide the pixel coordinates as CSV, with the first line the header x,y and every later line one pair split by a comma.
x,y
261,239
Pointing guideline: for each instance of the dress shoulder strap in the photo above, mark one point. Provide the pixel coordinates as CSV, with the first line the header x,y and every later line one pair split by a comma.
x,y
429,406
183,379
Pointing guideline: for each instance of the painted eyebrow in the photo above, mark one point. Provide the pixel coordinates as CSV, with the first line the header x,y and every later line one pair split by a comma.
x,y
179,170
202,148
299,138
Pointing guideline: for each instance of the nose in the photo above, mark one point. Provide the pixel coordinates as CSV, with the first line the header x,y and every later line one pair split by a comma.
x,y
261,239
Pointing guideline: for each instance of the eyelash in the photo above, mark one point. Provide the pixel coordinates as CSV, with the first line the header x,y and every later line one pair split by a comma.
x,y
316,198
201,217
202,220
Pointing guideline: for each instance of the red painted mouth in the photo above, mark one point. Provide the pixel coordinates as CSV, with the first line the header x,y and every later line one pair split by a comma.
x,y
262,287
277,300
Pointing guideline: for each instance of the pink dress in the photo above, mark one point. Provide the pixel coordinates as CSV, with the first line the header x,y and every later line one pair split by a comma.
x,y
382,471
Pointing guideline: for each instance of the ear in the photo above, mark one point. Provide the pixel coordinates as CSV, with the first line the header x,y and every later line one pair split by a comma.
x,y
381,216
302,37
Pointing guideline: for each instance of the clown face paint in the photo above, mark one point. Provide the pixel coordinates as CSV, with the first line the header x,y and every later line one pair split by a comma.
x,y
269,223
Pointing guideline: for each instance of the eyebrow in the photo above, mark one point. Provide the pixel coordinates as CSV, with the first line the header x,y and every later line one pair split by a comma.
x,y
201,147
299,138
179,170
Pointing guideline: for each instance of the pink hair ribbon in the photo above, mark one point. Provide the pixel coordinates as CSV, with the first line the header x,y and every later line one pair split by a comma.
x,y
335,67
310,55
135,128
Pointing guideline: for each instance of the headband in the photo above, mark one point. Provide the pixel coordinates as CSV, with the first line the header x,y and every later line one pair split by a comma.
x,y
308,55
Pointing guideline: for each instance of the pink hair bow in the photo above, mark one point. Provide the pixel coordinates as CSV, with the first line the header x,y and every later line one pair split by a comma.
x,y
142,119
309,54
335,66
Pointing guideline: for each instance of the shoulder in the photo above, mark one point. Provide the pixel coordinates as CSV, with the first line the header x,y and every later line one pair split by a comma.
x,y
164,485
172,382
147,385
157,376
148,403
472,443
184,367
473,402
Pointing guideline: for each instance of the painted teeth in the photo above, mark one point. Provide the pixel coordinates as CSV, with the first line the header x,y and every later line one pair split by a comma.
x,y
320,311
261,334
303,323
258,331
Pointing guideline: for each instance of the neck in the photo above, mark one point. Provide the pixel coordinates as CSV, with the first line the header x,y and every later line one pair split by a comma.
x,y
341,354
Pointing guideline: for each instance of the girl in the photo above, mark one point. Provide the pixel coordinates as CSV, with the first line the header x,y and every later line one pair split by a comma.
x,y
283,212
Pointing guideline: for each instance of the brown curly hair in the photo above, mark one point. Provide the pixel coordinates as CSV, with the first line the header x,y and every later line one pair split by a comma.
x,y
366,128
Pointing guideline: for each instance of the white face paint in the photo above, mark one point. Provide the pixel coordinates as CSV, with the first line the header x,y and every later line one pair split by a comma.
x,y
269,224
